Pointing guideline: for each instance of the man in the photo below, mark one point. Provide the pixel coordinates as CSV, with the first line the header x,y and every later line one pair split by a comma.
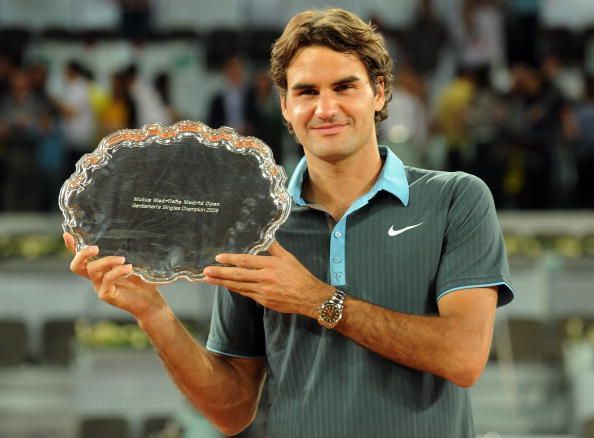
x,y
417,256
231,106
77,110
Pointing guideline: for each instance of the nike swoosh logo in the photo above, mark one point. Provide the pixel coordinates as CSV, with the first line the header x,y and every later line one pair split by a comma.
x,y
392,232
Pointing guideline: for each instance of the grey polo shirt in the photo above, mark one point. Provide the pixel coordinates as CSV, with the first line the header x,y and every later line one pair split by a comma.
x,y
415,237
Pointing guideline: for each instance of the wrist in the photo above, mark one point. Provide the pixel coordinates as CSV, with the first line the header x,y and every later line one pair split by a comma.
x,y
154,315
324,294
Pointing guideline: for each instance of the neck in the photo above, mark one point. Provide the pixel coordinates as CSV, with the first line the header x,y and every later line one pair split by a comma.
x,y
336,185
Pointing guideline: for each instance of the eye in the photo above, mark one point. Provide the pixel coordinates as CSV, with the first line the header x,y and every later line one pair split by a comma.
x,y
307,91
343,87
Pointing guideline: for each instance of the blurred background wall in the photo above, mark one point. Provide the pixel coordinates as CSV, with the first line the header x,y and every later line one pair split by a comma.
x,y
502,89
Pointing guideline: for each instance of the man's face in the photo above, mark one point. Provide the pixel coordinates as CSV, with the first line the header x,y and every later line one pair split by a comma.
x,y
331,104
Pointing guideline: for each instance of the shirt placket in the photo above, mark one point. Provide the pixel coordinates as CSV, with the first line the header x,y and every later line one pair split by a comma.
x,y
337,253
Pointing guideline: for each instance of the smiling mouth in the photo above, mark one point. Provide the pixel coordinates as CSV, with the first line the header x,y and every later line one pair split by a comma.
x,y
329,128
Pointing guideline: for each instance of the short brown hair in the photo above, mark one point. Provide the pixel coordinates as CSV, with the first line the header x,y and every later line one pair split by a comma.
x,y
338,30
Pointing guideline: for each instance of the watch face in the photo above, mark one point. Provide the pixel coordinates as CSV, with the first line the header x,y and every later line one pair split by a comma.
x,y
330,313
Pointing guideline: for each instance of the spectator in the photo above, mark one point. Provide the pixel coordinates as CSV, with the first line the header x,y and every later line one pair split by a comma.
x,y
38,74
425,39
6,67
582,136
147,103
451,117
50,158
19,119
266,118
532,126
480,36
162,84
99,99
50,142
118,112
484,124
405,130
80,127
232,106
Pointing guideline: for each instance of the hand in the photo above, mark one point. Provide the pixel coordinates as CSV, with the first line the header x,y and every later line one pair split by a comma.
x,y
112,280
279,281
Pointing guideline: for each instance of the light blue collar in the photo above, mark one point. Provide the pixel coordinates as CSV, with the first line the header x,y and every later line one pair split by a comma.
x,y
392,179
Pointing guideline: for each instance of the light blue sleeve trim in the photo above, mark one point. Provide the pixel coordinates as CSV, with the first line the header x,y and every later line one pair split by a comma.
x,y
474,286
224,353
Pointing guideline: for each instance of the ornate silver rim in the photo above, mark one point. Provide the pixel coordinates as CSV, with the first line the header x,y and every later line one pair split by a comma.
x,y
225,137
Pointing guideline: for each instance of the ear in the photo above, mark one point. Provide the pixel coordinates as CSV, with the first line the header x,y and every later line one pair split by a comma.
x,y
380,93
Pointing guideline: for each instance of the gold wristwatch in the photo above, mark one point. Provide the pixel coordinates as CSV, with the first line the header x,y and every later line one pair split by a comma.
x,y
330,312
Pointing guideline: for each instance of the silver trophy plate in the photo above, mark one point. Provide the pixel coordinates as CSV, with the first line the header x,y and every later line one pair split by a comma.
x,y
170,199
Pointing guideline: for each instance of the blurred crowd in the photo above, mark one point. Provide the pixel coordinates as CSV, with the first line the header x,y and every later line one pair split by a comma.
x,y
493,93
517,109
43,136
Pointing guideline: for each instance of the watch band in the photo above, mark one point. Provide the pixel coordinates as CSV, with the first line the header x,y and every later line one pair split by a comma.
x,y
338,298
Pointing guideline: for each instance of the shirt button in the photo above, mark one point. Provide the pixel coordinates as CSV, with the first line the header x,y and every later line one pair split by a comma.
x,y
338,234
337,259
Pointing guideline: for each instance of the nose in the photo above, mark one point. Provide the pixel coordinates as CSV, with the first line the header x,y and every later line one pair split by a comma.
x,y
326,106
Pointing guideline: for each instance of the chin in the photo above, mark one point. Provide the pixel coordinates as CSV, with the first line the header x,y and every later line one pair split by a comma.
x,y
330,153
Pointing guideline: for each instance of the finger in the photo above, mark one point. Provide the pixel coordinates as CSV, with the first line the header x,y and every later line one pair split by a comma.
x,y
111,277
240,287
277,250
78,265
116,273
97,268
69,242
244,260
235,274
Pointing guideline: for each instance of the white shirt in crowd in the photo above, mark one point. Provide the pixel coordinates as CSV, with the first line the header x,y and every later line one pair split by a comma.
x,y
80,126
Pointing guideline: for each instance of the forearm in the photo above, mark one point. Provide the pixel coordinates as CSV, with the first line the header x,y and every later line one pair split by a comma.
x,y
224,393
453,345
447,346
225,389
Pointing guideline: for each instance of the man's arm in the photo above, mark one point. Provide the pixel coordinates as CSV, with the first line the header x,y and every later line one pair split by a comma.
x,y
454,345
225,389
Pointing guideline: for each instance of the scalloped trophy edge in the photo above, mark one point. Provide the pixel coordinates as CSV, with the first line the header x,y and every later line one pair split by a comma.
x,y
213,137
